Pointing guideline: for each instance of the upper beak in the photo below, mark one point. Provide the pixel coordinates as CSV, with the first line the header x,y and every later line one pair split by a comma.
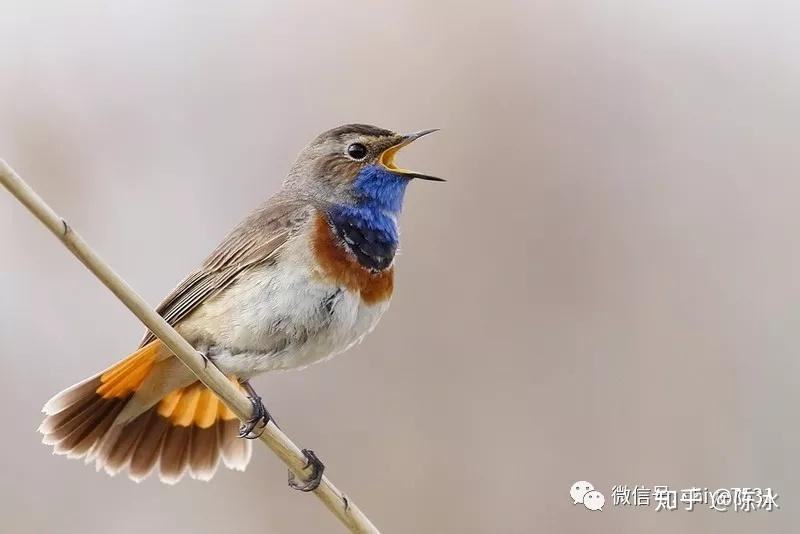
x,y
387,157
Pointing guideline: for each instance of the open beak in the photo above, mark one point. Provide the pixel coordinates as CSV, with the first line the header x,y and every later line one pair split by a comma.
x,y
387,157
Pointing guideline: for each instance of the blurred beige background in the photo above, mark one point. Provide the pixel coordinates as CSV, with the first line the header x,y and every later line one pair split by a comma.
x,y
606,289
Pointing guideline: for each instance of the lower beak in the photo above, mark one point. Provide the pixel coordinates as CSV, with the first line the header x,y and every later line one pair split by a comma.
x,y
387,157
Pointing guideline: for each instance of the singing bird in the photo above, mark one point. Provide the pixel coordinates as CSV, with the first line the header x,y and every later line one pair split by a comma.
x,y
303,277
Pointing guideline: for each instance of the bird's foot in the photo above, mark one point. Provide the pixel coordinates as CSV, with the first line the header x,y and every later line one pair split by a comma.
x,y
260,415
317,468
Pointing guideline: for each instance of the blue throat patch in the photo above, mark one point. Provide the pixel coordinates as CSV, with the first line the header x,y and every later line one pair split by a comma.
x,y
368,227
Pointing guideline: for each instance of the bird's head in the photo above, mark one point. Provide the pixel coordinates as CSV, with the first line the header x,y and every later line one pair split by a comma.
x,y
355,164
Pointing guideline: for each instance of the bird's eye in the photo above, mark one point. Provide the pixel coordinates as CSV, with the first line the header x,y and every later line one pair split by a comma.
x,y
357,151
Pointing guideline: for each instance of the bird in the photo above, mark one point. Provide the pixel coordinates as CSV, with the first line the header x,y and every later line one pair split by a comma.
x,y
303,277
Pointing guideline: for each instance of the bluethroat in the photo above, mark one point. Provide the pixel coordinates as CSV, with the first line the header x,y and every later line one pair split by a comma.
x,y
304,277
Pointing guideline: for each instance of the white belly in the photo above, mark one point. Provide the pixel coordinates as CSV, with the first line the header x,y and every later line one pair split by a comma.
x,y
278,317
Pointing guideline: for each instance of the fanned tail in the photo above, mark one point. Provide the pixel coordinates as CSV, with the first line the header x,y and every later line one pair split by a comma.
x,y
188,430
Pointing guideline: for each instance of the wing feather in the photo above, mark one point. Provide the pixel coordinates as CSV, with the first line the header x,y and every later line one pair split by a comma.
x,y
255,240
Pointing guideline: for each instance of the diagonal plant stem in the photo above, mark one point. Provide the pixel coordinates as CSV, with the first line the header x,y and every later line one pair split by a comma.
x,y
340,505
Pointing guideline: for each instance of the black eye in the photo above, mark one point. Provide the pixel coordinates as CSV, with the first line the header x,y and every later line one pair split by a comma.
x,y
357,151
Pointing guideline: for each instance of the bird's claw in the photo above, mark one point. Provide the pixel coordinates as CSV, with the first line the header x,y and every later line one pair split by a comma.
x,y
317,468
260,414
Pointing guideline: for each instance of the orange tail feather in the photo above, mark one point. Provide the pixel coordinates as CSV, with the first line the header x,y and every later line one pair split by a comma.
x,y
188,430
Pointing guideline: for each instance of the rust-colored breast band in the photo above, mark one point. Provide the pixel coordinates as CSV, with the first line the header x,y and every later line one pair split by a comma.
x,y
340,267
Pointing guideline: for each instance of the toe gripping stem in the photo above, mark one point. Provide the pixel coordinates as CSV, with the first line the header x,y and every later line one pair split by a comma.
x,y
259,415
317,469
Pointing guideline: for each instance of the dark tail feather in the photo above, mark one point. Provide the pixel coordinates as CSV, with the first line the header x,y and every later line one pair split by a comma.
x,y
187,431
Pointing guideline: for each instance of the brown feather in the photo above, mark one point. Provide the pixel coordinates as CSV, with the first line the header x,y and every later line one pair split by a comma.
x,y
204,453
255,240
235,451
99,434
58,425
147,449
175,453
90,421
72,395
119,444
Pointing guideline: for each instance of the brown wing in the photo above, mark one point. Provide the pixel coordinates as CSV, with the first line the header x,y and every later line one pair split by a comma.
x,y
255,240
